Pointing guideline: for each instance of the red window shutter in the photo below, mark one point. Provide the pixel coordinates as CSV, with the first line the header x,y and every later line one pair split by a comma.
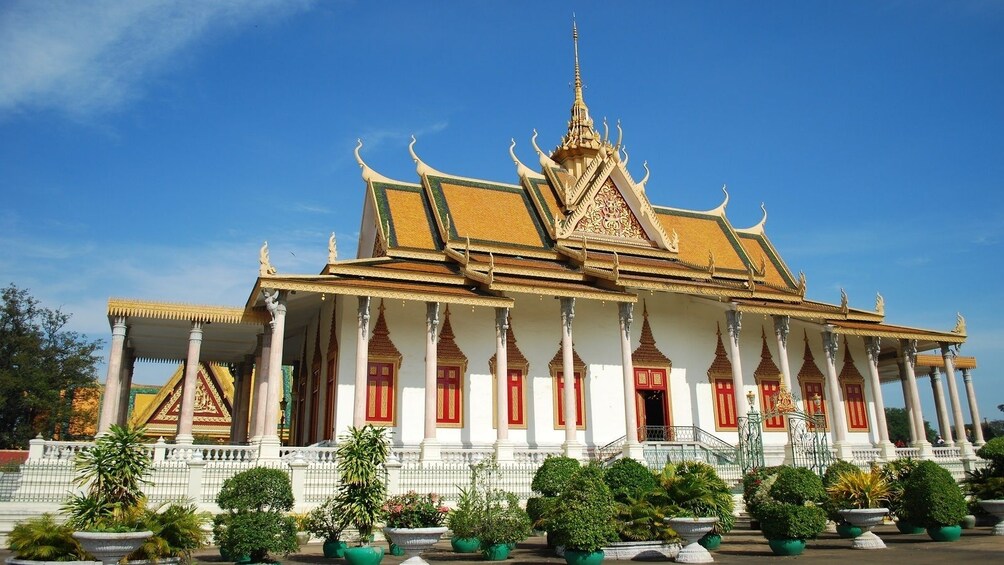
x,y
857,415
725,404
514,398
448,395
767,400
811,389
380,393
579,403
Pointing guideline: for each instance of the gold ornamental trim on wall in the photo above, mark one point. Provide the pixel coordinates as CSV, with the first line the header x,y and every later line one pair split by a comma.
x,y
132,308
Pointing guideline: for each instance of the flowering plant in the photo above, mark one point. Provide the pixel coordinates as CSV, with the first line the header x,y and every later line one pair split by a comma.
x,y
413,510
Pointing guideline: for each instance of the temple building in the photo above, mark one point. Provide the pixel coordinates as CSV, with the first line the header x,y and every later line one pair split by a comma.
x,y
559,309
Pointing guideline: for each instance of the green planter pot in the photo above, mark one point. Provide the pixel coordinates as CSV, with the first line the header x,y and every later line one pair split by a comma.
x,y
848,531
908,528
334,548
395,550
366,555
574,557
786,546
710,541
945,533
496,552
465,545
242,560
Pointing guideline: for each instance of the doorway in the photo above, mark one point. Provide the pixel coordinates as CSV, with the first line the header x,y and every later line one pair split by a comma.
x,y
652,404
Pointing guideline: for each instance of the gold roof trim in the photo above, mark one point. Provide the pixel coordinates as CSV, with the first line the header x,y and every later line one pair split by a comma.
x,y
758,228
521,169
359,288
612,296
898,333
402,253
187,312
361,271
961,362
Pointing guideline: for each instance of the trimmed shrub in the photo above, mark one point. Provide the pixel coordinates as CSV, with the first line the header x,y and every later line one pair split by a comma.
x,y
583,518
256,523
932,498
993,451
628,478
797,485
553,474
896,472
791,521
259,489
752,481
839,467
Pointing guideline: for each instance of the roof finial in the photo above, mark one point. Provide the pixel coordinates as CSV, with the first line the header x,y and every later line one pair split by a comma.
x,y
578,75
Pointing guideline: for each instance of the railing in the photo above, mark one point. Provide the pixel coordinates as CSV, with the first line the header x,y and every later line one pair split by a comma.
x,y
913,452
863,456
947,453
724,452
446,479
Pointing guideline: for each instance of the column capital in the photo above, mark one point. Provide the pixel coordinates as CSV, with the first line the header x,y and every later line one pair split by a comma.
x,y
195,334
782,325
967,377
275,303
119,327
363,314
947,352
567,314
909,351
935,376
734,323
432,320
501,322
831,343
873,346
626,313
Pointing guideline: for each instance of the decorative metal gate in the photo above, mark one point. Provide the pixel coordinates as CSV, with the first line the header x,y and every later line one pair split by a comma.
x,y
806,433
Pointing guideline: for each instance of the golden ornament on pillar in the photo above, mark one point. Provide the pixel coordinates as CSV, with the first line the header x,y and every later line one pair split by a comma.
x,y
783,401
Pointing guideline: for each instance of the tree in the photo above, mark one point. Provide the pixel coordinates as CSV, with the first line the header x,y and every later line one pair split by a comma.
x,y
42,366
899,426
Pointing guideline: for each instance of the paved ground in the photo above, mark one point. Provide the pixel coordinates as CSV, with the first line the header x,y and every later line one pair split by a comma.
x,y
740,546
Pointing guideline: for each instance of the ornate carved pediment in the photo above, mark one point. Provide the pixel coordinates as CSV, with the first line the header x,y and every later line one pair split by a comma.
x,y
609,214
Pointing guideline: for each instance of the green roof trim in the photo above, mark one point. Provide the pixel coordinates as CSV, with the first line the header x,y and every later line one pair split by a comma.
x,y
730,233
774,257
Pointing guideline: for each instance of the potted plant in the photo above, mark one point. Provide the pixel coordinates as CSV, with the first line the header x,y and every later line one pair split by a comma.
x,y
499,521
414,522
582,520
832,506
461,521
896,473
859,496
327,523
362,456
699,500
178,530
641,510
932,499
548,482
257,502
42,539
752,481
987,485
788,511
108,518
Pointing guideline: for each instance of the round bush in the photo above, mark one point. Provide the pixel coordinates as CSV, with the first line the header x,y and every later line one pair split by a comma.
x,y
791,521
628,478
797,485
993,451
258,489
839,467
932,498
584,516
550,478
752,481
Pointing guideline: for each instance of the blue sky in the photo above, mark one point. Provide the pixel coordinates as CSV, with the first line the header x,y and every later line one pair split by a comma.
x,y
147,148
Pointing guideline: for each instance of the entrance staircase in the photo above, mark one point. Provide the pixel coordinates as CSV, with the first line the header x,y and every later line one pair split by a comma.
x,y
673,444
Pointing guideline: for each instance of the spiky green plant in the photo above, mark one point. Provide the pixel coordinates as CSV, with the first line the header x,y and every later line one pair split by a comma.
x,y
858,489
42,539
362,454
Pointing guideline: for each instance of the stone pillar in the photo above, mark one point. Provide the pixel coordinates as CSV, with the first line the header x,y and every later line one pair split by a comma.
x,y
571,447
276,305
257,377
873,346
939,403
838,414
187,412
430,445
953,394
908,403
261,387
362,362
632,448
733,322
974,409
909,363
128,366
503,447
113,382
244,403
240,382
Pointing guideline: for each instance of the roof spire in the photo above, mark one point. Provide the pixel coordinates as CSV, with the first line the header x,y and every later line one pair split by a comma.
x,y
581,140
578,75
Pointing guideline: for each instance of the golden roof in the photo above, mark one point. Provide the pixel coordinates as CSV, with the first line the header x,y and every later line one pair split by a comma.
x,y
648,354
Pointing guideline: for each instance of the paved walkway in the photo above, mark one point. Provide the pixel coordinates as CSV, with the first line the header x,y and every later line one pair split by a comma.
x,y
739,546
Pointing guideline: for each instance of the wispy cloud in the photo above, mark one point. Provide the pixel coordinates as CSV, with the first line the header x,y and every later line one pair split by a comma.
x,y
83,58
374,138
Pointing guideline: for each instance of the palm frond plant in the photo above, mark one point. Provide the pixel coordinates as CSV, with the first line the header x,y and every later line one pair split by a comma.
x,y
43,539
362,455
178,530
858,489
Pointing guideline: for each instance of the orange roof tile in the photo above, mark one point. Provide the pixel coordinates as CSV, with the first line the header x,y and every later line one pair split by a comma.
x,y
485,212
759,251
406,211
701,233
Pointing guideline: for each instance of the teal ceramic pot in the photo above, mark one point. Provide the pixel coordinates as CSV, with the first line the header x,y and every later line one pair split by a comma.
x,y
968,522
366,555
225,554
710,541
465,545
334,548
573,557
395,549
242,560
945,533
496,552
908,528
787,546
848,531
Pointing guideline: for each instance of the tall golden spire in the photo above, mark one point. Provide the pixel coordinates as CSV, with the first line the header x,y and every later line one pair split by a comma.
x,y
581,140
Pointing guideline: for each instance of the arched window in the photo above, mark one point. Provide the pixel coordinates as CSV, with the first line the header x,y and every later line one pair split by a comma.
x,y
381,381
517,367
558,389
723,392
853,386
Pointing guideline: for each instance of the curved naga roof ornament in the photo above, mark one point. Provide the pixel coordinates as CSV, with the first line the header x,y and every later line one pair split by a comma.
x,y
720,210
265,267
879,304
521,169
420,167
624,161
332,249
644,181
545,161
960,324
369,175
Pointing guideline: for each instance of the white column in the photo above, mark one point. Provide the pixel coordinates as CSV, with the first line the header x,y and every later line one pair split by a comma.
x,y
362,362
113,384
187,412
242,402
261,387
632,448
430,445
733,322
503,447
974,409
257,377
873,347
128,366
953,394
908,403
838,414
571,446
240,382
939,403
909,363
782,324
276,305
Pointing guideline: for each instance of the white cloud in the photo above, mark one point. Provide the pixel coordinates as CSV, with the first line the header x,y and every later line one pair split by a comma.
x,y
83,58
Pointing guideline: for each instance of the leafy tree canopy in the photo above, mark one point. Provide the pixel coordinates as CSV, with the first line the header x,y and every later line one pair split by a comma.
x,y
42,365
899,426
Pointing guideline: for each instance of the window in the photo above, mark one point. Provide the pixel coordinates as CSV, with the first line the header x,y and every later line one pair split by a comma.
x,y
854,398
380,388
725,404
449,396
810,390
768,389
559,400
515,398
329,398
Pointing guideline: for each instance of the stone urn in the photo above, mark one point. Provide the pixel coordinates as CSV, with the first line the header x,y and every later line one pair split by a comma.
x,y
692,530
995,507
111,547
866,519
414,541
